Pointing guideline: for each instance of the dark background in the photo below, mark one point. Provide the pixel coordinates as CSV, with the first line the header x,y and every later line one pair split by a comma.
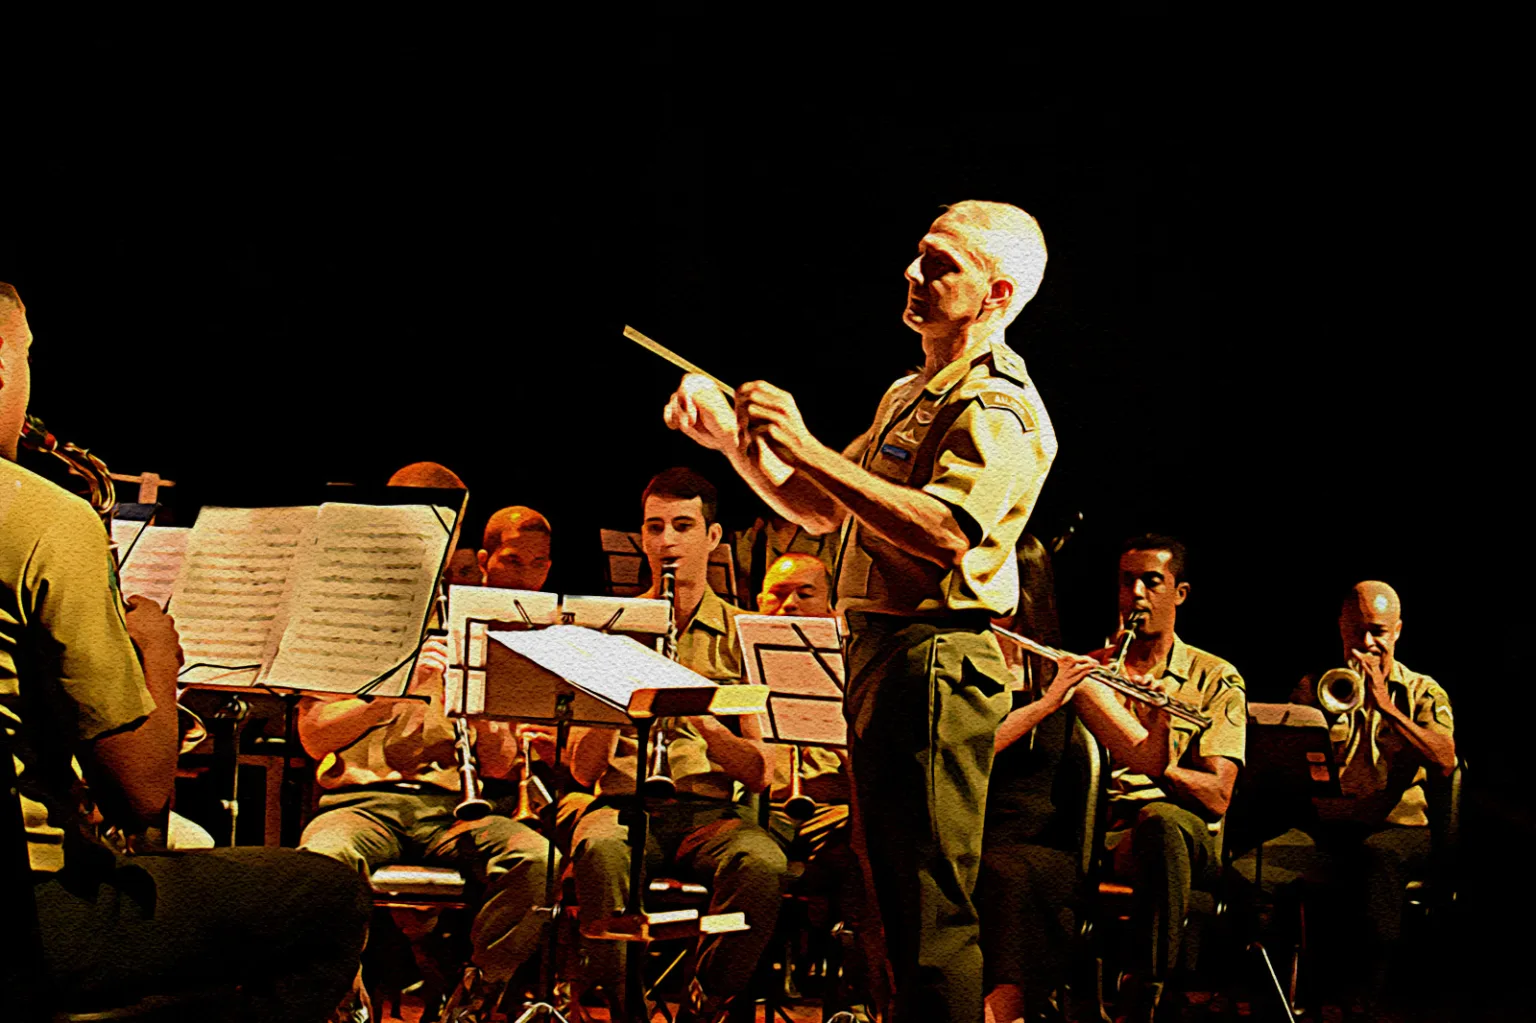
x,y
262,258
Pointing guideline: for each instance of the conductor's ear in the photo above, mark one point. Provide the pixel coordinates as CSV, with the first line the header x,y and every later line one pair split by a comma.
x,y
1000,294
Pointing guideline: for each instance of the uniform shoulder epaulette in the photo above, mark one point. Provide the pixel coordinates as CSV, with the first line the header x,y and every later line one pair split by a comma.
x,y
1009,364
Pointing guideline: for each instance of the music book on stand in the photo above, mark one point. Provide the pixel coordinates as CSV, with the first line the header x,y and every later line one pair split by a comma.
x,y
800,661
1289,750
328,598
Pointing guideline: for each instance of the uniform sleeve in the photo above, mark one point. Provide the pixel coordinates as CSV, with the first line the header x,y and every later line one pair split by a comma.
x,y
1228,710
78,610
1432,709
986,463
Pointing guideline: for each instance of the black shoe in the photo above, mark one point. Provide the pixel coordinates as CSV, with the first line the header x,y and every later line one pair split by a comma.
x,y
473,999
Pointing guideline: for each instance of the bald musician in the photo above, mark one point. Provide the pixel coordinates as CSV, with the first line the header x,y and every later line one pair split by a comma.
x,y
931,500
1370,843
818,845
387,771
514,554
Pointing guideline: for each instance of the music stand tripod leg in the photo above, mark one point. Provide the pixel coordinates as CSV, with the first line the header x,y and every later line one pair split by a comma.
x,y
634,903
545,1008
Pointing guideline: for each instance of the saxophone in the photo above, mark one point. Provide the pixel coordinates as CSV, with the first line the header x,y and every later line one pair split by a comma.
x,y
101,492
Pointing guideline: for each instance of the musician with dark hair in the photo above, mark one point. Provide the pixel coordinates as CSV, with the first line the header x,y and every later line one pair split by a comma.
x,y
708,833
1170,780
389,782
286,927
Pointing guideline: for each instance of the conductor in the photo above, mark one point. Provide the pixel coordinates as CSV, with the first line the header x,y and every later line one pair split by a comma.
x,y
931,501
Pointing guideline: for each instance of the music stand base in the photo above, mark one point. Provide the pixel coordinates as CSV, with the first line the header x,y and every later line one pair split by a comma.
x,y
540,1010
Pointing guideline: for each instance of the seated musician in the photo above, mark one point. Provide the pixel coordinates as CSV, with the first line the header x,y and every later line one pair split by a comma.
x,y
1371,842
1170,781
515,551
285,926
708,834
770,538
388,771
797,584
1028,885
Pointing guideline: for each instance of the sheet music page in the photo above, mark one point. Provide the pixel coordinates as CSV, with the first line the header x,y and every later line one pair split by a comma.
x,y
232,583
154,563
361,592
608,667
492,604
775,655
124,532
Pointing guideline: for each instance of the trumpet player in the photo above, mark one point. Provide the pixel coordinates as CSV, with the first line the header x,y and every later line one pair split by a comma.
x,y
1391,728
1171,781
389,788
708,833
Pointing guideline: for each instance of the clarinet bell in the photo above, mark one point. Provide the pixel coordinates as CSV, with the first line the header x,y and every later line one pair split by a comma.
x,y
472,809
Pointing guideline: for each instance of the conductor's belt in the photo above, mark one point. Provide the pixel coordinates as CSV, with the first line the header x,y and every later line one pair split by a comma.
x,y
976,620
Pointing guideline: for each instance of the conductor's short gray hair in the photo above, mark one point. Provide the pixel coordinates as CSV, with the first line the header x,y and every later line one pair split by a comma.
x,y
1011,243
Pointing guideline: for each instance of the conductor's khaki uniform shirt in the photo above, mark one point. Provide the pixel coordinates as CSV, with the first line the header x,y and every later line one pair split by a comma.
x,y
1200,680
68,671
1380,774
976,437
708,646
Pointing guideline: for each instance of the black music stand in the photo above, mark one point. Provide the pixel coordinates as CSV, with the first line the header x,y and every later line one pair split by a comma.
x,y
800,661
571,674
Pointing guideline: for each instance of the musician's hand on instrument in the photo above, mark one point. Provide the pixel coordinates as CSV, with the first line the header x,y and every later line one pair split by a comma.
x,y
1071,670
1373,667
542,739
700,412
769,414
153,631
431,664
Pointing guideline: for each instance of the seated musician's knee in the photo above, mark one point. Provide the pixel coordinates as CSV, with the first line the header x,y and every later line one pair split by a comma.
x,y
757,857
338,846
1157,826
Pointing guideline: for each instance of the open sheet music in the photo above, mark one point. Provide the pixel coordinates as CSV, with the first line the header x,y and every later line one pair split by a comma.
x,y
153,562
800,660
331,598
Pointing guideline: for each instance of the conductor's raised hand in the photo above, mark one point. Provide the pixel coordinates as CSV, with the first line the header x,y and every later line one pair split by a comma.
x,y
768,413
700,412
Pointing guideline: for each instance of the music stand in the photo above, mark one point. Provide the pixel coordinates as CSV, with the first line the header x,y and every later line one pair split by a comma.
x,y
566,674
626,573
1290,757
800,662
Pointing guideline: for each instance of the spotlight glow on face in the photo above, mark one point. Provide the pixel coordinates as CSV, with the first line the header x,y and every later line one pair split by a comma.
x,y
1380,603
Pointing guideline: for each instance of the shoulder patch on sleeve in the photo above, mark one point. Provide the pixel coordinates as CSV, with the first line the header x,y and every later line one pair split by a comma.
x,y
995,397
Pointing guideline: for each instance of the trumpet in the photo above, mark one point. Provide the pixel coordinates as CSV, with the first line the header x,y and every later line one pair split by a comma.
x,y
472,806
799,806
658,780
1341,691
1111,676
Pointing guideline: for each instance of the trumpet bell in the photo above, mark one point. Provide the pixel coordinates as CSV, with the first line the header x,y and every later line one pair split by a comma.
x,y
1341,691
800,808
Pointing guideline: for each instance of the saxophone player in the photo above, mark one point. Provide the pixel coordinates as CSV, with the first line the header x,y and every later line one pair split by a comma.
x,y
708,832
387,772
71,686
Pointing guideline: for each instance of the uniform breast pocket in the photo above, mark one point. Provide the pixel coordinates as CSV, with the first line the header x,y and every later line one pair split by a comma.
x,y
893,461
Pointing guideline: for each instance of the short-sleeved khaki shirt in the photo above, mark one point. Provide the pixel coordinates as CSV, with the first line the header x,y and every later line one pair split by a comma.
x,y
977,437
1200,680
415,744
822,777
1381,775
65,655
709,646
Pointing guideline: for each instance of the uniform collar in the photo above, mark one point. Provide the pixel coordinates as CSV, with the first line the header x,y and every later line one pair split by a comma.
x,y
1005,363
1181,660
710,614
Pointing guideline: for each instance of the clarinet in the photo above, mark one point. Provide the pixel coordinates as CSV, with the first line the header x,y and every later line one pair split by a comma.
x,y
658,781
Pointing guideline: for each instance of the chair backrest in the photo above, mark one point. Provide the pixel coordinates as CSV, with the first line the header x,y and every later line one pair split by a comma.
x,y
1085,760
20,990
